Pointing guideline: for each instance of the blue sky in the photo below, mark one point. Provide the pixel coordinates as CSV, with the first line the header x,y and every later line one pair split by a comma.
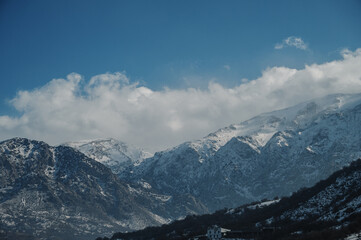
x,y
173,44
161,42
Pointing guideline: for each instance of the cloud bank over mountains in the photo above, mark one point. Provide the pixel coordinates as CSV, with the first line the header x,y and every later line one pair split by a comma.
x,y
110,105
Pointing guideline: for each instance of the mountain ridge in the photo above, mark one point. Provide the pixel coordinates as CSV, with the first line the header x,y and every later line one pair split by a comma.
x,y
299,145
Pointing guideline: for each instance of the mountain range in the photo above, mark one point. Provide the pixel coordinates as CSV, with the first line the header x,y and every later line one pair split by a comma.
x,y
101,186
273,154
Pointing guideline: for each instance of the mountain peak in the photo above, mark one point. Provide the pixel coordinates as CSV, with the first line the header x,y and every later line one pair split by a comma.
x,y
111,152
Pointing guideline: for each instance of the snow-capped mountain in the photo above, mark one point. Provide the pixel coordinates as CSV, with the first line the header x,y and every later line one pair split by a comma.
x,y
270,155
273,154
60,193
116,155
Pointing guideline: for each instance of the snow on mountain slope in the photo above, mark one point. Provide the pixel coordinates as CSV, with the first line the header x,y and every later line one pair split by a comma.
x,y
60,193
355,236
262,127
336,202
115,154
272,154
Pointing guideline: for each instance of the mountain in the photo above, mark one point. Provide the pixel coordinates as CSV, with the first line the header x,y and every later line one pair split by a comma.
x,y
62,191
59,193
270,155
273,154
116,155
329,210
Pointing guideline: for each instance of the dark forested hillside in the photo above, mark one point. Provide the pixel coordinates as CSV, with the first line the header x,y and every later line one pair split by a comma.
x,y
329,210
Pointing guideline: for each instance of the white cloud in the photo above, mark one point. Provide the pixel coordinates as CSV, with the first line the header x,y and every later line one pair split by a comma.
x,y
109,105
227,67
292,41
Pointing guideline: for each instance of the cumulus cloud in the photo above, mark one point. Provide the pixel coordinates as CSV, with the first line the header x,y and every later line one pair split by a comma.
x,y
110,105
292,41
